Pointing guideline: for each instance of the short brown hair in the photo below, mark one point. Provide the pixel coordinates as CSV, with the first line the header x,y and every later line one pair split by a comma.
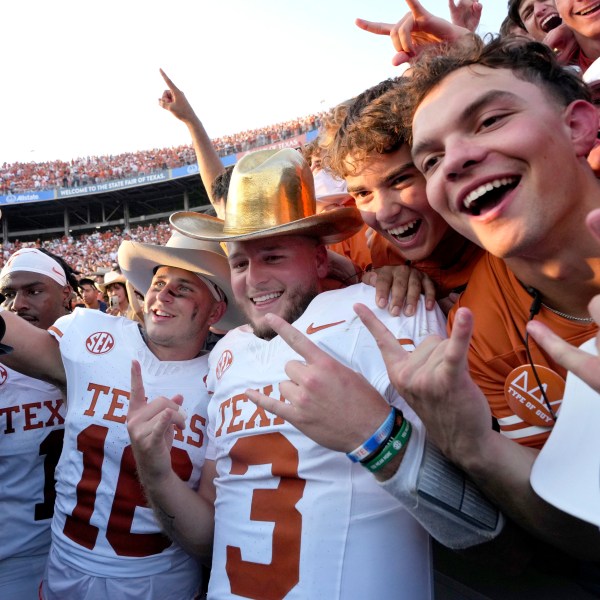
x,y
371,124
529,61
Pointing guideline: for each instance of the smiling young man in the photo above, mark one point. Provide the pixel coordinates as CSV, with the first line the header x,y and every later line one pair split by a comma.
x,y
583,18
501,133
537,17
105,540
370,151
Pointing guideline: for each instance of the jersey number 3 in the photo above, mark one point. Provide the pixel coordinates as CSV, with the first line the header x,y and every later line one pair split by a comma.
x,y
275,580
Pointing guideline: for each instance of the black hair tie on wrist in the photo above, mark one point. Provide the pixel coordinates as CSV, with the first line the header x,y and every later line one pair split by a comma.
x,y
4,349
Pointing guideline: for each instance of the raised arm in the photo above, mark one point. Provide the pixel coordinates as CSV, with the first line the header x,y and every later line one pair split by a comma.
x,y
186,515
416,30
35,352
435,381
209,163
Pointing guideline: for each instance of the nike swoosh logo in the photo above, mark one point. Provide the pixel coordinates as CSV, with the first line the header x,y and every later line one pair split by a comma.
x,y
312,329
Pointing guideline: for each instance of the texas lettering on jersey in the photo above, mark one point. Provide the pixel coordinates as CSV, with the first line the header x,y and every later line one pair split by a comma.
x,y
109,404
230,419
35,415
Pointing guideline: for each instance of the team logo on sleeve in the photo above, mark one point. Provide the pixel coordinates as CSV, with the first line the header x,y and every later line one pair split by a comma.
x,y
3,374
100,342
224,363
524,396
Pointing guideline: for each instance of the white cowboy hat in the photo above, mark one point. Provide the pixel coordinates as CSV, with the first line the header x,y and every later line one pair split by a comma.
x,y
139,261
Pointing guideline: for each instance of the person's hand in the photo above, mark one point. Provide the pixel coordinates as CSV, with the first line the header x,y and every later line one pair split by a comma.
x,y
175,102
400,286
434,380
151,427
465,13
416,30
328,402
586,366
563,43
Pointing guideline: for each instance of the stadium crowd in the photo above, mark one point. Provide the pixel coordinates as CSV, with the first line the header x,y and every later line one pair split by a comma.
x,y
95,252
24,177
342,430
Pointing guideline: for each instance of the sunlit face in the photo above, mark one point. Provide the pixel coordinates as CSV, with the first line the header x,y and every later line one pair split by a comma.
x,y
390,193
278,275
118,290
539,17
178,310
494,150
582,16
34,297
89,294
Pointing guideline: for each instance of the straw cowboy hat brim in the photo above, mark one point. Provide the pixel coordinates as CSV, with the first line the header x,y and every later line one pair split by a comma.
x,y
139,261
330,227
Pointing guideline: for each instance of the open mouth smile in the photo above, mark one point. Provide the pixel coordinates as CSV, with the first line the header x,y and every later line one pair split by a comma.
x,y
407,231
259,300
550,22
588,10
488,195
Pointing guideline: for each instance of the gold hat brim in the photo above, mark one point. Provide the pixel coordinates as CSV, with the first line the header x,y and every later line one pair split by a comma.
x,y
329,227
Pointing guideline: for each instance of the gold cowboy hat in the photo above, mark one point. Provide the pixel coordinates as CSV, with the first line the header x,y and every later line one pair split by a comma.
x,y
272,192
139,261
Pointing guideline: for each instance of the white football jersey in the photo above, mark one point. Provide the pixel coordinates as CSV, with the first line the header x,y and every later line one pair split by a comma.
x,y
102,525
293,519
32,424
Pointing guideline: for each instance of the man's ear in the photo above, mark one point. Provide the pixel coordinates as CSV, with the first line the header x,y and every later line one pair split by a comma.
x,y
322,261
582,119
217,312
66,296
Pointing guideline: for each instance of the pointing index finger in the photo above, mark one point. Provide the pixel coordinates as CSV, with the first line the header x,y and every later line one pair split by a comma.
x,y
374,27
168,81
295,339
137,397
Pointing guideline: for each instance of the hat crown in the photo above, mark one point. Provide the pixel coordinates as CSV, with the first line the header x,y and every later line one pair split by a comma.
x,y
269,188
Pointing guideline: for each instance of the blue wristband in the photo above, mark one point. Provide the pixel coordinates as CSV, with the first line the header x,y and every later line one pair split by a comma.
x,y
381,434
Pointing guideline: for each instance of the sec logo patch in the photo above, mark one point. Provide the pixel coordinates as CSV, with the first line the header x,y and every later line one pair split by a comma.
x,y
224,363
3,374
100,342
524,396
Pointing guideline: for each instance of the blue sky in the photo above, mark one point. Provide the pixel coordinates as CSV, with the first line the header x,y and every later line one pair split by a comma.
x,y
82,78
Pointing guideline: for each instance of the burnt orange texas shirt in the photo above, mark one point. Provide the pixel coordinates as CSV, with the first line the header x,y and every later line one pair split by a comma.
x,y
498,360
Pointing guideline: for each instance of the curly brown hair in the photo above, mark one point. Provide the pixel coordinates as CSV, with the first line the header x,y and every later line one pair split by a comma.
x,y
371,123
529,61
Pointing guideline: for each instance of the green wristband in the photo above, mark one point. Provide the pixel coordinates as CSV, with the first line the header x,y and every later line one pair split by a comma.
x,y
392,448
